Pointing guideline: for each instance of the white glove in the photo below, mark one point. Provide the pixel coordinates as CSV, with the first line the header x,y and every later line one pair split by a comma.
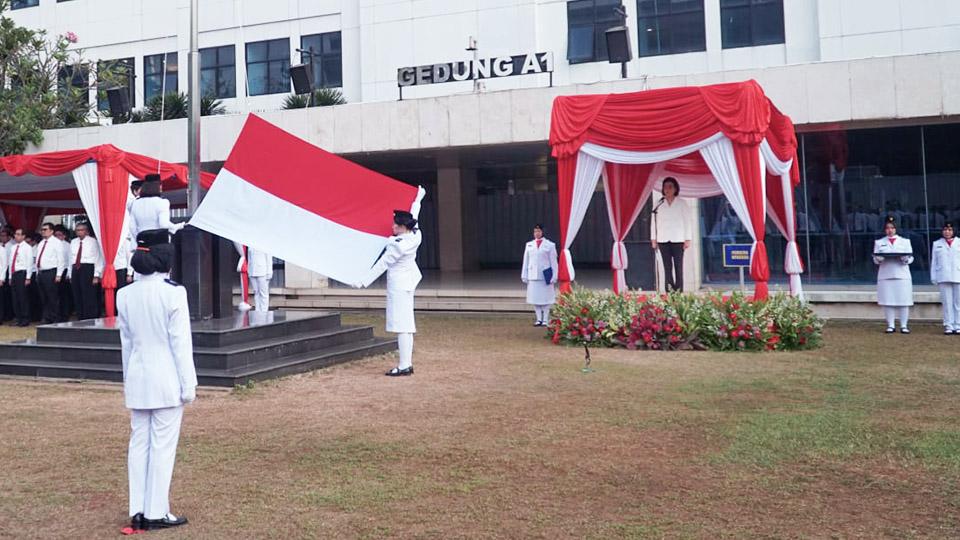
x,y
905,260
244,306
187,395
525,281
240,264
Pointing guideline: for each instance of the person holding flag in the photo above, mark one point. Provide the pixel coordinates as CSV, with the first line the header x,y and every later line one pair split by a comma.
x,y
399,261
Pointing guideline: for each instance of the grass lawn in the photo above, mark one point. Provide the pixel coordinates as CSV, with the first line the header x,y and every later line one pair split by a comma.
x,y
499,435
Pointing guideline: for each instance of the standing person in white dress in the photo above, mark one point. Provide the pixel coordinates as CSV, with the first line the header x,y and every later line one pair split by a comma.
x,y
894,282
539,273
670,233
150,211
399,260
159,378
945,274
260,272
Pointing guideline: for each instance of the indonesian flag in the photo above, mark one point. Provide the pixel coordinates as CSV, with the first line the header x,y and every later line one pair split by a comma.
x,y
283,196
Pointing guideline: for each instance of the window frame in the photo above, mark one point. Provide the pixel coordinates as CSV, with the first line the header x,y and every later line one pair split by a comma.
x,y
162,74
599,25
218,70
103,103
669,15
271,64
321,58
750,7
14,6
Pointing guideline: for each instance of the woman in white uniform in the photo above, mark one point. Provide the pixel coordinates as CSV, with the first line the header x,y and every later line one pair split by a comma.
x,y
945,274
150,211
894,254
399,260
539,273
159,378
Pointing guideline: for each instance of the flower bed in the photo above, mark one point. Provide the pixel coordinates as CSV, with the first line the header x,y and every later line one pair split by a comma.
x,y
717,322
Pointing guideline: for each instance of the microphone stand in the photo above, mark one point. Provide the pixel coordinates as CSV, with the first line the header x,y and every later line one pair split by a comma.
x,y
656,267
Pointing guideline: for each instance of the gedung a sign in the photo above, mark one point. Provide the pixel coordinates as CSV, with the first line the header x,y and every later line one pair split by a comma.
x,y
468,70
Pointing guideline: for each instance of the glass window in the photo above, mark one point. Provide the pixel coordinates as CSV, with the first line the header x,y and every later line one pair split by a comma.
x,y
159,75
749,23
20,4
587,22
268,67
943,175
218,72
671,26
327,58
123,74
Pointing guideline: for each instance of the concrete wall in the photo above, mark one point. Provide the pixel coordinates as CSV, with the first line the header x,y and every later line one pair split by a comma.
x,y
380,36
901,87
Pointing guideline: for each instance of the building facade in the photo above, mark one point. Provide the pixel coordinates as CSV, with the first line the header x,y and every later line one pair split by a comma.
x,y
872,85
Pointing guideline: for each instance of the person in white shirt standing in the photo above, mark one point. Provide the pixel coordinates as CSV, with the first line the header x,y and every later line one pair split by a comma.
x,y
159,378
50,267
85,270
150,211
64,290
260,272
21,273
893,255
670,233
399,260
945,274
6,244
539,273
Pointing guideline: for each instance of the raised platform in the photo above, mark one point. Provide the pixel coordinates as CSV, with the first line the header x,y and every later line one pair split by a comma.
x,y
249,346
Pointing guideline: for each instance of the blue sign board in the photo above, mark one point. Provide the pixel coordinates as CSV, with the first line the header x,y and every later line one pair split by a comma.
x,y
736,255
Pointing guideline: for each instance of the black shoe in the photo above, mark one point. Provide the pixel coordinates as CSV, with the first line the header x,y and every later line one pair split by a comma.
x,y
136,522
904,330
23,324
164,523
397,372
890,330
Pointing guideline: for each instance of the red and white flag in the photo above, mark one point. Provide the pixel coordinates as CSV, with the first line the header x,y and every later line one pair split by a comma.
x,y
281,195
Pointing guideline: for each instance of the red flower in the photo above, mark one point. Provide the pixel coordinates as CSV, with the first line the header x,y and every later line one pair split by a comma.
x,y
584,311
555,338
642,298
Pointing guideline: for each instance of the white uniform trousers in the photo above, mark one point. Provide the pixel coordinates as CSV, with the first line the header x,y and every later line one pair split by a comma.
x,y
260,287
153,448
950,298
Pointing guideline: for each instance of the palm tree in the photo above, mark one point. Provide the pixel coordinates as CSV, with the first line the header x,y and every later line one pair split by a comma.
x,y
322,97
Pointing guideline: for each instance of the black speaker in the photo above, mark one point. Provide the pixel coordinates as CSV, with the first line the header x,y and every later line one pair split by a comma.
x,y
618,45
302,77
119,101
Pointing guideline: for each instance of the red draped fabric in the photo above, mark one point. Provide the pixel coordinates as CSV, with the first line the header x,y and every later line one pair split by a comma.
x,y
113,183
566,172
660,119
22,217
667,119
751,181
624,187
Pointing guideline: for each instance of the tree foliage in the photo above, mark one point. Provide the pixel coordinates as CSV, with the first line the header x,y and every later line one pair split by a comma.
x,y
169,106
322,97
43,84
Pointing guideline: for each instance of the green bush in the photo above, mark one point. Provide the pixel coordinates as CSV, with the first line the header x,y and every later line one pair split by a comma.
x,y
719,322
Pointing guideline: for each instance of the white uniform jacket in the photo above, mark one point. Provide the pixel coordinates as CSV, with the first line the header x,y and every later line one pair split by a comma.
x,y
148,213
399,260
893,267
22,258
537,259
156,344
945,262
4,264
259,264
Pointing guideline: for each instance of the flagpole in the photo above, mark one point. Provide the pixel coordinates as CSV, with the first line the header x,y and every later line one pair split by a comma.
x,y
193,115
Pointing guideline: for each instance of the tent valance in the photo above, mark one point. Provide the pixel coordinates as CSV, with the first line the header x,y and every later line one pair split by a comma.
x,y
726,138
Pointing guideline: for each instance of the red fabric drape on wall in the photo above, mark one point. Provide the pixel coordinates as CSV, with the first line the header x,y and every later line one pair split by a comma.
x,y
624,186
23,217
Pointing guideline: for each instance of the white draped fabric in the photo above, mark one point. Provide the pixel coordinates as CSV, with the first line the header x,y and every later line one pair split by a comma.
x,y
792,264
722,163
614,155
587,175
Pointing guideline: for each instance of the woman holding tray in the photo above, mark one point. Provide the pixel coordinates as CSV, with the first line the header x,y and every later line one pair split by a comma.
x,y
894,254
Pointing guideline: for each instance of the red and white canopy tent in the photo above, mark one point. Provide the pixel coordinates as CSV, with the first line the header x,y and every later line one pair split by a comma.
x,y
95,181
722,139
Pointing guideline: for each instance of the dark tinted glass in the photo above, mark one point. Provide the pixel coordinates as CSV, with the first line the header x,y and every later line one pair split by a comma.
x,y
587,20
748,23
670,27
